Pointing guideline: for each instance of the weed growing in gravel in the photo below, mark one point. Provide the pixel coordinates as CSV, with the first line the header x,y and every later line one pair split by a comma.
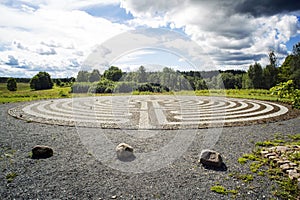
x,y
294,137
246,157
242,160
222,190
10,176
269,143
244,177
30,154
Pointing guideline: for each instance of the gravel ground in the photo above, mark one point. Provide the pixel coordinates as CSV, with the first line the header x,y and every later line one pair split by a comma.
x,y
75,173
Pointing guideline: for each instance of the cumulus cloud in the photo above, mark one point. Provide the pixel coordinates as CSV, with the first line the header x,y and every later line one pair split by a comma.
x,y
48,34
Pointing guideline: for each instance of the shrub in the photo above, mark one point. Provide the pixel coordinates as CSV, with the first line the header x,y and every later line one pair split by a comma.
x,y
145,88
152,87
12,84
103,86
287,90
41,81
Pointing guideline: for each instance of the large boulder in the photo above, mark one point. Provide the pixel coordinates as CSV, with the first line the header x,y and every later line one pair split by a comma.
x,y
40,151
211,158
124,151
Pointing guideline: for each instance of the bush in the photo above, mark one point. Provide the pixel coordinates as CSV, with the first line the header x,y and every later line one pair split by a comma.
x,y
103,86
41,81
152,87
12,84
287,90
82,87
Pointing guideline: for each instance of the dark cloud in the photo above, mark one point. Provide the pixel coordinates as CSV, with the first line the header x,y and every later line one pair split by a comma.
x,y
12,61
228,56
258,8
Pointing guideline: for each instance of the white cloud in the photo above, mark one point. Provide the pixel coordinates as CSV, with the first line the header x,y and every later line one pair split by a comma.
x,y
12,60
48,35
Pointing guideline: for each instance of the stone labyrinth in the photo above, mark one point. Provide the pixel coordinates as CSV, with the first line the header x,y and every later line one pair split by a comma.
x,y
150,112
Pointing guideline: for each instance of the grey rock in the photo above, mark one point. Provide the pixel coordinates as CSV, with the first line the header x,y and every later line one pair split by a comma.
x,y
40,151
124,151
211,158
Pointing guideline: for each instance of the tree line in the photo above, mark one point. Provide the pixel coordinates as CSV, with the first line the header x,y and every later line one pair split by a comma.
x,y
114,79
256,77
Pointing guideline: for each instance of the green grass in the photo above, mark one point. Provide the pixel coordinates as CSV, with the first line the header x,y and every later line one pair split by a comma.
x,y
258,94
24,93
11,176
222,190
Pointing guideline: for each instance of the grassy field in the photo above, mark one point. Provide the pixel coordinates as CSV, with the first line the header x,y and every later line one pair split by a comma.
x,y
24,93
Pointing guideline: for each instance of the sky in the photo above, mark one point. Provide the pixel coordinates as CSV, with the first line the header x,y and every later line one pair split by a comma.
x,y
60,36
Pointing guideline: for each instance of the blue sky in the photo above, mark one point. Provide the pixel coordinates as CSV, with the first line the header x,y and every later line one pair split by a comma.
x,y
59,36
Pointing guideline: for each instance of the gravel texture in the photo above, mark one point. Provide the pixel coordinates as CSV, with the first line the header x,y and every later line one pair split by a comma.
x,y
73,172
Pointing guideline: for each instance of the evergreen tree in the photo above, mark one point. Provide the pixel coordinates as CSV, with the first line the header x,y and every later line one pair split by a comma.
x,y
41,81
11,84
255,73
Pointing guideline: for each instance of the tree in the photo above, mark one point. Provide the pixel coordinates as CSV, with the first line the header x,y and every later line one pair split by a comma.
x,y
295,66
284,71
41,81
94,76
113,73
270,72
83,76
255,73
11,84
141,75
228,80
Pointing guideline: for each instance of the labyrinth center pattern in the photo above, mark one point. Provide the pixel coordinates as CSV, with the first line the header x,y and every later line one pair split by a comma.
x,y
148,112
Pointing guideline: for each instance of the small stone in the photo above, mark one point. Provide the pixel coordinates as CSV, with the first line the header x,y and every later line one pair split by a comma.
x,y
272,149
285,167
270,154
272,157
282,162
263,153
40,151
276,160
114,197
293,164
282,149
293,175
124,151
211,158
